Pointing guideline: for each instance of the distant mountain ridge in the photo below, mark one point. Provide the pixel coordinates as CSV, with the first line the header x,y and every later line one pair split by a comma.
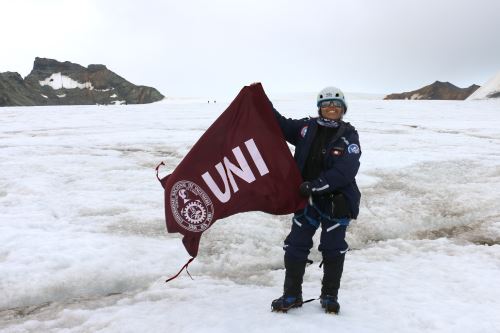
x,y
437,90
64,83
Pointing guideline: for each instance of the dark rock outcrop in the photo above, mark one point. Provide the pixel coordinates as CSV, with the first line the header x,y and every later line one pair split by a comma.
x,y
437,90
64,83
14,91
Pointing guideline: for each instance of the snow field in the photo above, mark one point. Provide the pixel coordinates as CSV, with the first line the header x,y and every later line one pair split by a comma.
x,y
84,247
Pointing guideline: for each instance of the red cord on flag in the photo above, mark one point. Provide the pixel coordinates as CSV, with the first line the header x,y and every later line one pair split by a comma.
x,y
157,167
185,266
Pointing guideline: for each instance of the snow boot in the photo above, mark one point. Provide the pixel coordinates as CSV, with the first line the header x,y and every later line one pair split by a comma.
x,y
292,287
285,303
332,273
330,303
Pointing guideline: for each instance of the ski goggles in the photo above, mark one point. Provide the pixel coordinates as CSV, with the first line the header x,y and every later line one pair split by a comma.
x,y
331,103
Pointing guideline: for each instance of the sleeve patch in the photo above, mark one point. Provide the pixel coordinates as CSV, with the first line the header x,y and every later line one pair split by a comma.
x,y
303,131
353,148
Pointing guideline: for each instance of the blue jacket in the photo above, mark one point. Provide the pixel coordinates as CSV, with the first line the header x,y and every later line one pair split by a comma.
x,y
341,159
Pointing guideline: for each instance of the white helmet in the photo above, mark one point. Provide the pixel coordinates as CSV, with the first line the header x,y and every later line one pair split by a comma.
x,y
331,93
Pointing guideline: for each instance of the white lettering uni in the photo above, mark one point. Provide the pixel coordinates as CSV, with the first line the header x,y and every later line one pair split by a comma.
x,y
242,171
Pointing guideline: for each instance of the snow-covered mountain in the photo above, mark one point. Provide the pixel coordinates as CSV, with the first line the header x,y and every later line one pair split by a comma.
x,y
490,89
64,83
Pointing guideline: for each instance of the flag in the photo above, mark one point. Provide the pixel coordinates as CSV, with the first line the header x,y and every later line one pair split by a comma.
x,y
240,164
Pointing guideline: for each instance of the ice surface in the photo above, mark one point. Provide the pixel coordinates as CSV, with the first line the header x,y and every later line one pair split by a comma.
x,y
84,246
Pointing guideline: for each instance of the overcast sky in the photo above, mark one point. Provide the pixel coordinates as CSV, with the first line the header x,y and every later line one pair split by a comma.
x,y
214,47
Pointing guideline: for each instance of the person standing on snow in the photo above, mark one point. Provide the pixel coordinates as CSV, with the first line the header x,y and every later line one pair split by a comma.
x,y
327,152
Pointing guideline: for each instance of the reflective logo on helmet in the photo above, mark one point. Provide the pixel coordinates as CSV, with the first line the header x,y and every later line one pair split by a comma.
x,y
191,206
353,148
303,131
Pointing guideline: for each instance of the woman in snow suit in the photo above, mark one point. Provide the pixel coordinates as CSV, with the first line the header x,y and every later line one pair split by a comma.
x,y
327,152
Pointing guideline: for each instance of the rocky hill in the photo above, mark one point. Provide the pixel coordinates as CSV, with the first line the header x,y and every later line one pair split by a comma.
x,y
437,90
64,83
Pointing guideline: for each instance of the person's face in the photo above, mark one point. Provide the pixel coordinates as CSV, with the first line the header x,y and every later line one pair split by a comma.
x,y
333,110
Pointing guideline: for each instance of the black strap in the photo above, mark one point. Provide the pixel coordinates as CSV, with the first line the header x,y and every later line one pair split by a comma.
x,y
293,305
339,133
310,300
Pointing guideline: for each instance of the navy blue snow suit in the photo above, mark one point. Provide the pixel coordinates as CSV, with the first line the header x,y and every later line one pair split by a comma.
x,y
329,159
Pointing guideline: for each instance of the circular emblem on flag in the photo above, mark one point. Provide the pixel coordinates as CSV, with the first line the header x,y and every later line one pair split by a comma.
x,y
191,206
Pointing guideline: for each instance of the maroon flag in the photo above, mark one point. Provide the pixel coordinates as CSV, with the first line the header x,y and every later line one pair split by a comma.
x,y
240,164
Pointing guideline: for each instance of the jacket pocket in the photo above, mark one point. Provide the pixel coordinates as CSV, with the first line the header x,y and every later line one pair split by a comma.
x,y
333,155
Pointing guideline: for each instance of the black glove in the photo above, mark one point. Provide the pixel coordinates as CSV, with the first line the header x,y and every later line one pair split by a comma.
x,y
305,189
